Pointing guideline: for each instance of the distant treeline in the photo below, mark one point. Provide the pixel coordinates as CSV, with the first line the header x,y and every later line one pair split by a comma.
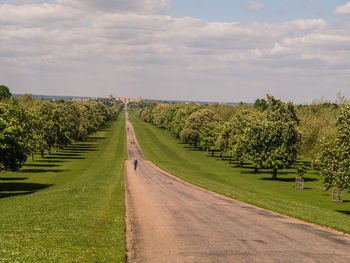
x,y
29,126
270,133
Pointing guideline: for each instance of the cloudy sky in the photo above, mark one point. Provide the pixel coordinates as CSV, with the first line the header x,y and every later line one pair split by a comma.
x,y
222,50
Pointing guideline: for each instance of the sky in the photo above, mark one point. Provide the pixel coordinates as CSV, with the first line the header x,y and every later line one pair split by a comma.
x,y
201,50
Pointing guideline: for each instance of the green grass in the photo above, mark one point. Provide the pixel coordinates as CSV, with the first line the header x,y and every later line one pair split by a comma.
x,y
312,204
69,206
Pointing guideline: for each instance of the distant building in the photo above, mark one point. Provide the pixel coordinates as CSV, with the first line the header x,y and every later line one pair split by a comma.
x,y
128,100
81,100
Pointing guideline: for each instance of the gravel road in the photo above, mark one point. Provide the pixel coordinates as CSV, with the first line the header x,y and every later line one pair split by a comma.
x,y
169,220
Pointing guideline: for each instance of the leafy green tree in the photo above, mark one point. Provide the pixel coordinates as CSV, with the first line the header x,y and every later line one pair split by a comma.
x,y
260,104
209,134
335,161
317,121
182,112
223,141
238,139
162,115
13,137
274,136
195,123
4,93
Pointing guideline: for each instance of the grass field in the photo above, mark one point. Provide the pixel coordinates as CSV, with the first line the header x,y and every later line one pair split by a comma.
x,y
311,204
69,206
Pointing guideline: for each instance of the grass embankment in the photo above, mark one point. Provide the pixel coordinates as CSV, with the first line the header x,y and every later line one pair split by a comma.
x,y
311,204
69,206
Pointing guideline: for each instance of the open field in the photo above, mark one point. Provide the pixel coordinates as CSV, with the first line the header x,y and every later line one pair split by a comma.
x,y
311,204
69,206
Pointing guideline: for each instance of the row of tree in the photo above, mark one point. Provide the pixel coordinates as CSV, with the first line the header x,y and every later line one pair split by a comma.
x,y
270,134
268,137
29,126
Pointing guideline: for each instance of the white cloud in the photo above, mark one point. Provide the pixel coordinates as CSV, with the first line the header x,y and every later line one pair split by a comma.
x,y
56,48
255,6
41,15
343,10
135,6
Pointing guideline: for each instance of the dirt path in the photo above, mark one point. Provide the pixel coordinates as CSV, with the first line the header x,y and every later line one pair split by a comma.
x,y
169,220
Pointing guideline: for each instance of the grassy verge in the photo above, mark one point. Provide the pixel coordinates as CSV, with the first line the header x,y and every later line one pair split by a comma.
x,y
69,206
311,204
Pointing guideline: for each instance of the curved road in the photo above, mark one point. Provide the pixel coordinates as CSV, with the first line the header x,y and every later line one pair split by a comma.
x,y
169,220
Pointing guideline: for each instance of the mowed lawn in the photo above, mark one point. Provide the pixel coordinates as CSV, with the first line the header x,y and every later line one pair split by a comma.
x,y
312,204
69,206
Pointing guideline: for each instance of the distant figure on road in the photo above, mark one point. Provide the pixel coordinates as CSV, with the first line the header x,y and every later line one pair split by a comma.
x,y
135,164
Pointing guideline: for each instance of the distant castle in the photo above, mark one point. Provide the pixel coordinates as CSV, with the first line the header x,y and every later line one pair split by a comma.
x,y
110,97
124,100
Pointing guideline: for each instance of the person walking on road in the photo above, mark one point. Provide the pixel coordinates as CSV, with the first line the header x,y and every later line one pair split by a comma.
x,y
135,164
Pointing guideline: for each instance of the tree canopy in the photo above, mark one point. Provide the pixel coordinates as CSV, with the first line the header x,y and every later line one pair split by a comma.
x,y
4,93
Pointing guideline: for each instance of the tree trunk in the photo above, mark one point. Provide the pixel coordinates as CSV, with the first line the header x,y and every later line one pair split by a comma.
x,y
312,163
212,154
49,151
241,164
42,154
221,155
256,170
230,158
195,145
32,157
274,174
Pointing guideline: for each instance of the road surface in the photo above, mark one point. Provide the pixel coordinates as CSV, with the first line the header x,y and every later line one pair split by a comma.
x,y
169,220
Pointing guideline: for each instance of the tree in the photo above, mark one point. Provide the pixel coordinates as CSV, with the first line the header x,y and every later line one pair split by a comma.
x,y
4,93
162,115
335,162
317,121
238,139
182,112
209,134
195,123
13,138
260,104
222,142
273,136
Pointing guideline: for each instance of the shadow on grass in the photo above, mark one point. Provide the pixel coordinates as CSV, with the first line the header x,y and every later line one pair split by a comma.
x,y
13,178
40,165
41,171
62,158
66,154
265,172
50,161
23,188
95,138
343,212
292,179
4,195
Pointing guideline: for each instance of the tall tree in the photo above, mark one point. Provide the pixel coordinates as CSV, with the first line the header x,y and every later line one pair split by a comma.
x,y
335,161
317,121
195,123
13,137
274,136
